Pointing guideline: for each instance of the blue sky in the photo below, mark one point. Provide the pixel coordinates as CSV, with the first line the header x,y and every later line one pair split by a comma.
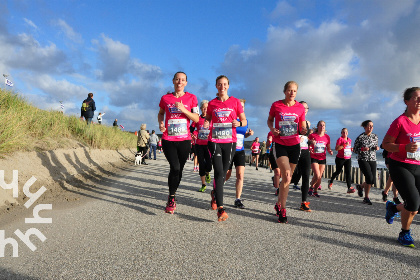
x,y
352,59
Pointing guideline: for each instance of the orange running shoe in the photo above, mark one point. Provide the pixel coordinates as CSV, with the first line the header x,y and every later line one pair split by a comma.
x,y
213,201
170,205
304,206
222,215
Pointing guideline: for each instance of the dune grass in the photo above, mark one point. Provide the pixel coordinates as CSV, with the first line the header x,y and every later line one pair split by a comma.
x,y
27,128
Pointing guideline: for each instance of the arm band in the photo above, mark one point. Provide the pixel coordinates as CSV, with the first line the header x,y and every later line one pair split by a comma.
x,y
401,148
240,123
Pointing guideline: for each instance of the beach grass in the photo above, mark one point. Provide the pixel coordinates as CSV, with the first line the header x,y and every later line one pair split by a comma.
x,y
25,127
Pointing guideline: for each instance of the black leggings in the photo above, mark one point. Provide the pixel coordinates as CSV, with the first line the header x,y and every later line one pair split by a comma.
x,y
406,178
339,163
221,154
204,160
368,169
176,152
303,169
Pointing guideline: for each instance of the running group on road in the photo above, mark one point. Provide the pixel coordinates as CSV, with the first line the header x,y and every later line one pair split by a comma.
x,y
291,151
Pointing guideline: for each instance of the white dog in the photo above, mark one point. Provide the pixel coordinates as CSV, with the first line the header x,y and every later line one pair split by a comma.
x,y
137,161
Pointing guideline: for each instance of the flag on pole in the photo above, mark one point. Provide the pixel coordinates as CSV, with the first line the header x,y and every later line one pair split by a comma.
x,y
61,105
8,82
122,127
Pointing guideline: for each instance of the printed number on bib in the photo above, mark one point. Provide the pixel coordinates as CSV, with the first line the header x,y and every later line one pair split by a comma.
x,y
177,127
203,134
416,154
287,128
222,131
239,141
347,152
319,148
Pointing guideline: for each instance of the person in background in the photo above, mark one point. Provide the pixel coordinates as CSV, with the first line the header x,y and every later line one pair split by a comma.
x,y
142,139
255,150
402,140
343,158
365,146
88,108
263,149
242,132
153,144
115,124
99,118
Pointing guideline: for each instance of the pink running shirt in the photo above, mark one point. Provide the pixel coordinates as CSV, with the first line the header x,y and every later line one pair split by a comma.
x,y
346,151
405,131
319,149
222,115
287,120
255,147
176,123
203,133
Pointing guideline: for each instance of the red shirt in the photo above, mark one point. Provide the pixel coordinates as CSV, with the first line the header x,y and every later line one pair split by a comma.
x,y
319,148
346,151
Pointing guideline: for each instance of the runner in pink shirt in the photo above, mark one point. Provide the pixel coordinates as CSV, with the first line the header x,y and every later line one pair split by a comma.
x,y
201,148
320,144
222,113
402,140
176,109
286,120
343,158
255,151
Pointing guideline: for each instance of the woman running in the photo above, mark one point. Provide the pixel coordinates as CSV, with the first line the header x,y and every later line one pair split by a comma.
x,y
255,151
343,158
223,112
303,168
320,144
285,119
366,145
239,160
402,140
177,108
203,154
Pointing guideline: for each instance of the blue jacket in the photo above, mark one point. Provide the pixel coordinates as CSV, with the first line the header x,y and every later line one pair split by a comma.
x,y
90,110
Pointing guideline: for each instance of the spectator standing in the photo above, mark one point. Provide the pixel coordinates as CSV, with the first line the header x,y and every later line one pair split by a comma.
x,y
142,139
100,118
115,124
154,139
88,108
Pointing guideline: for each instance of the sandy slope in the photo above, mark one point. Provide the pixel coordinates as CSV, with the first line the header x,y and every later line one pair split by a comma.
x,y
60,171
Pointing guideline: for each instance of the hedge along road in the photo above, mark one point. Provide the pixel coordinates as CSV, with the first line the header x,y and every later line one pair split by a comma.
x,y
118,229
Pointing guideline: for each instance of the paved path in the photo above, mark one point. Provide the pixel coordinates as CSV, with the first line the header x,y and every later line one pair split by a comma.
x,y
119,230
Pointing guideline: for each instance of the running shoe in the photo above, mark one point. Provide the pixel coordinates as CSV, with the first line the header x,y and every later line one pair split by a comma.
x,y
396,200
203,188
296,187
221,215
359,190
384,196
256,168
310,192
282,216
213,201
208,178
320,187
366,200
304,206
277,192
406,239
170,205
330,185
239,204
271,170
391,211
277,208
351,190
315,194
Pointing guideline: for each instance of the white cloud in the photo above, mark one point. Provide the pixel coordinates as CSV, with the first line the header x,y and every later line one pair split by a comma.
x,y
69,31
30,23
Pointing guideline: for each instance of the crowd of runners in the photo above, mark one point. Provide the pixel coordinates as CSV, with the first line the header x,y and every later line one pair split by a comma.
x,y
292,150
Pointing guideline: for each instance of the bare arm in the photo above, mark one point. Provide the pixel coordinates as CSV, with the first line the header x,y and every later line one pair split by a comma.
x,y
161,117
270,123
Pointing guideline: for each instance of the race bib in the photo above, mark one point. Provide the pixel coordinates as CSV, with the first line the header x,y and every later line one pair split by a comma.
x,y
347,152
416,154
319,148
203,134
177,127
288,128
239,141
255,151
222,131
303,142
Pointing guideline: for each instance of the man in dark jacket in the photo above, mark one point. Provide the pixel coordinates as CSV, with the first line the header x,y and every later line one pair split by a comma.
x,y
88,108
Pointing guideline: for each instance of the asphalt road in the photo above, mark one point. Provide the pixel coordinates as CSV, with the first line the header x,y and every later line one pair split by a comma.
x,y
119,230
